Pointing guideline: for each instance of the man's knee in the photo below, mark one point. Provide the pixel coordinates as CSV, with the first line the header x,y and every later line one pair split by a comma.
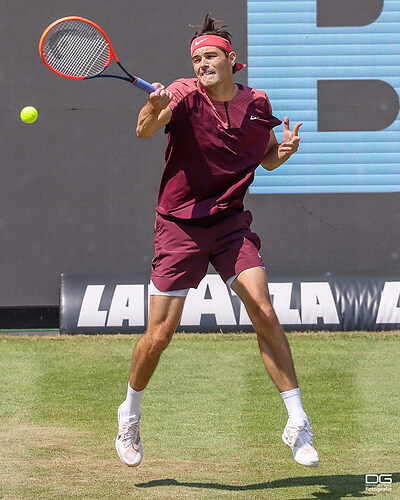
x,y
263,315
157,342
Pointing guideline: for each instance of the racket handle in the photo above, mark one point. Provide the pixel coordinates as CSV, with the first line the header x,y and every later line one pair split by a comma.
x,y
143,85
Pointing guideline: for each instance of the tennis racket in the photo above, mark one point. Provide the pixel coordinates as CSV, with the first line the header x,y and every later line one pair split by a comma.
x,y
77,48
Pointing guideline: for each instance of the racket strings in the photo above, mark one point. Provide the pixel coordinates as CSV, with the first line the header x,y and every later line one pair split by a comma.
x,y
76,48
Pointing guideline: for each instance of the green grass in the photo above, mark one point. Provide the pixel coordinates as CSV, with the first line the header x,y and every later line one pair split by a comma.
x,y
211,423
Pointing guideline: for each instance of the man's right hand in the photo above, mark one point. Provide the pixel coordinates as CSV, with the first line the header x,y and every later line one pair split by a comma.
x,y
161,97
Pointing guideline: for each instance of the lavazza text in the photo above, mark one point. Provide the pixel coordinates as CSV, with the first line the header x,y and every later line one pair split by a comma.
x,y
338,303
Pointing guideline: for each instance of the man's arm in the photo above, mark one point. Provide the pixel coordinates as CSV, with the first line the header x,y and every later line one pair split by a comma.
x,y
155,114
276,154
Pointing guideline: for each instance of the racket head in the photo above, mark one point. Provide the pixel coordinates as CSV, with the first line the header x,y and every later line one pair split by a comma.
x,y
75,47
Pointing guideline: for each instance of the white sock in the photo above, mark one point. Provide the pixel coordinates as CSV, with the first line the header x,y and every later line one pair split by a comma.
x,y
131,406
292,400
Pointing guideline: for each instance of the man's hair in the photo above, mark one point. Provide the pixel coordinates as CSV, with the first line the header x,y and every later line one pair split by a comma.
x,y
212,26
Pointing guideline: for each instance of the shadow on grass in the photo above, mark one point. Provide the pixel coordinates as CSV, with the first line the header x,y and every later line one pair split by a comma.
x,y
335,487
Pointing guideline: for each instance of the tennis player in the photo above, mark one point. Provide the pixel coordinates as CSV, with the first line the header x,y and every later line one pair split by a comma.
x,y
218,134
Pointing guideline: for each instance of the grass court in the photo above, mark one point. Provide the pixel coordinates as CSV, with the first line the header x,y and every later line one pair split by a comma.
x,y
211,418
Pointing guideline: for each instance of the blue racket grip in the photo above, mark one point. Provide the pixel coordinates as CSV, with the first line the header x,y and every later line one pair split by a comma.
x,y
146,86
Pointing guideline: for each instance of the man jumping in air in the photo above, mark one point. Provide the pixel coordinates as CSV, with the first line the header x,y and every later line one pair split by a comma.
x,y
218,134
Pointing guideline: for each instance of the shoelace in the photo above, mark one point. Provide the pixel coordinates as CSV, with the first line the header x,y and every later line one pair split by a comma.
x,y
304,436
129,432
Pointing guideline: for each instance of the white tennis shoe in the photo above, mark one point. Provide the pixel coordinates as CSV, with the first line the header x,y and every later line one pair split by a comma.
x,y
300,440
128,443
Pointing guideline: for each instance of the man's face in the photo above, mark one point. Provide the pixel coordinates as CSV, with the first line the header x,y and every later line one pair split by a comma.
x,y
212,66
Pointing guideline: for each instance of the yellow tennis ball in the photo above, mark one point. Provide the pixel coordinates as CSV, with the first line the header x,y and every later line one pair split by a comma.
x,y
29,114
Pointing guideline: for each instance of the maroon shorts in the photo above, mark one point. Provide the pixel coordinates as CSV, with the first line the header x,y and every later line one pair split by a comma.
x,y
182,251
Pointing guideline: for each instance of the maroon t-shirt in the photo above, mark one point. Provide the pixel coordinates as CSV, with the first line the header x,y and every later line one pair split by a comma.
x,y
213,149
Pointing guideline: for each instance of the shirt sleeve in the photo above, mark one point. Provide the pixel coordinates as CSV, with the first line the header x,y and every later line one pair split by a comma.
x,y
272,120
180,89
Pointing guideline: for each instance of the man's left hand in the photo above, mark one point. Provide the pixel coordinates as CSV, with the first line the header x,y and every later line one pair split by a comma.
x,y
290,138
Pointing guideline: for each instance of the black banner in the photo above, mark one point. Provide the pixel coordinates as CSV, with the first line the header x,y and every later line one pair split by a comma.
x,y
94,304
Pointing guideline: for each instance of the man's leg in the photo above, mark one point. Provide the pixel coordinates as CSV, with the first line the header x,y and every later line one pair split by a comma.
x,y
252,288
164,315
